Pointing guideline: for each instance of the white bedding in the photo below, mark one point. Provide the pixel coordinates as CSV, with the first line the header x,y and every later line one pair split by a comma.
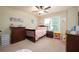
x,y
40,31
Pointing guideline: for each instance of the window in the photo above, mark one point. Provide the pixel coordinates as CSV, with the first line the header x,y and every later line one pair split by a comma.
x,y
47,21
53,23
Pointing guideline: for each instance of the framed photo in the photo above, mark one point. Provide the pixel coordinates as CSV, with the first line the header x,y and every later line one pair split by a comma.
x,y
16,19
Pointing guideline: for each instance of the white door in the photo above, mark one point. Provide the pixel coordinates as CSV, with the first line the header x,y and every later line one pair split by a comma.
x,y
63,26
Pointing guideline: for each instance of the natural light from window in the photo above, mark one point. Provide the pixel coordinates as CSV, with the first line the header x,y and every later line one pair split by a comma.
x,y
53,23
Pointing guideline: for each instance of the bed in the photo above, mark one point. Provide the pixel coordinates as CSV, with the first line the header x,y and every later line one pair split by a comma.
x,y
36,34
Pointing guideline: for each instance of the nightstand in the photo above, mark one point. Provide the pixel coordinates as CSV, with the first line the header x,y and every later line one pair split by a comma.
x,y
49,34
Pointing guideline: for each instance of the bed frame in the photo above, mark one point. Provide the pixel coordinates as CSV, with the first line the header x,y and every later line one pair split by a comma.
x,y
31,34
32,38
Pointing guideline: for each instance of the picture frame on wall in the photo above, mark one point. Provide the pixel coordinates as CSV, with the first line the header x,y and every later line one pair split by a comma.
x,y
15,19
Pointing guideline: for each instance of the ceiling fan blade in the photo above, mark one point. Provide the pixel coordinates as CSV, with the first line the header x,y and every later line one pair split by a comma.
x,y
47,8
37,7
41,7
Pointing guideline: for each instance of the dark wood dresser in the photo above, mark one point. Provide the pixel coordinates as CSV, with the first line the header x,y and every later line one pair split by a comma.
x,y
49,34
72,43
17,34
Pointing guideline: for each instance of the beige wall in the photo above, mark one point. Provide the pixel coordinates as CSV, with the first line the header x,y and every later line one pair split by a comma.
x,y
6,13
72,17
41,21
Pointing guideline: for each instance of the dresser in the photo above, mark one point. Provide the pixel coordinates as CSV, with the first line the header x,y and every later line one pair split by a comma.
x,y
49,34
17,34
72,43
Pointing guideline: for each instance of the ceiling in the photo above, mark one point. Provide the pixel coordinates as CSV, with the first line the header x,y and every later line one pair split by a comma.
x,y
30,9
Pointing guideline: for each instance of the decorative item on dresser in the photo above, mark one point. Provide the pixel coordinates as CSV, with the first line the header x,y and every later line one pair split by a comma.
x,y
17,34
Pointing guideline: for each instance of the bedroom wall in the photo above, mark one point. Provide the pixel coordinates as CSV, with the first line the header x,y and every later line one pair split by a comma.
x,y
6,13
29,21
69,18
41,20
78,16
72,17
63,18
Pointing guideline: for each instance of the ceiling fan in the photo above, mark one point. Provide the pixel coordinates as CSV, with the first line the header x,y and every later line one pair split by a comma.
x,y
42,9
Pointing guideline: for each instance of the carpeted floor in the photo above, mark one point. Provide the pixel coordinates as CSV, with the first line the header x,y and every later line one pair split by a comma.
x,y
43,45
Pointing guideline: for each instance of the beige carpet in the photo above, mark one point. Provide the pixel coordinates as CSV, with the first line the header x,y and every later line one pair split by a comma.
x,y
43,45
